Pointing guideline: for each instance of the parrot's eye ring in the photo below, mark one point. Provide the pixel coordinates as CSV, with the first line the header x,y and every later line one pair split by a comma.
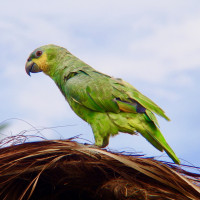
x,y
38,53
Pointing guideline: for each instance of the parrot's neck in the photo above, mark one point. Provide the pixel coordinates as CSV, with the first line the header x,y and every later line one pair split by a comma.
x,y
64,66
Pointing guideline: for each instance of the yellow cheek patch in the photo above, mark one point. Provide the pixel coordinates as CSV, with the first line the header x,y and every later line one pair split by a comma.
x,y
41,62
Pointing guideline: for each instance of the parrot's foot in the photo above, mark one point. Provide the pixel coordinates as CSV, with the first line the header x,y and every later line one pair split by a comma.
x,y
102,142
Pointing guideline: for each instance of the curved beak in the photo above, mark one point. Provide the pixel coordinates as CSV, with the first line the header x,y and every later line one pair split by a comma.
x,y
31,67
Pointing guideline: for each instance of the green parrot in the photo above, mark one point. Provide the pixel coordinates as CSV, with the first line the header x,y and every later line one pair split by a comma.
x,y
110,105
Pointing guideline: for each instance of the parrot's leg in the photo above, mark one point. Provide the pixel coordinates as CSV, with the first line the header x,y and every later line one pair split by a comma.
x,y
102,128
101,139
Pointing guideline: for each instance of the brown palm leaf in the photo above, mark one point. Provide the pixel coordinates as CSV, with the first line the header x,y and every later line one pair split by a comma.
x,y
60,169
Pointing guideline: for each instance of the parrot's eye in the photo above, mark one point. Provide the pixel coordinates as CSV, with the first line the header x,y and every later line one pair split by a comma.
x,y
38,53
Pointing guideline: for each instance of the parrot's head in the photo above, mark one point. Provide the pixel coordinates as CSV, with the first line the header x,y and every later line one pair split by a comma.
x,y
44,59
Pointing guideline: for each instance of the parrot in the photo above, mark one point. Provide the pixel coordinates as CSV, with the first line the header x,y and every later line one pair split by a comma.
x,y
110,105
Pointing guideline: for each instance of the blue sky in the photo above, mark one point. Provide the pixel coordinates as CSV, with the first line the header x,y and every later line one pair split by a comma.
x,y
154,45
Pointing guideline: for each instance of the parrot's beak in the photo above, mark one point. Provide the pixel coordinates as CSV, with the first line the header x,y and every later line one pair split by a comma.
x,y
31,67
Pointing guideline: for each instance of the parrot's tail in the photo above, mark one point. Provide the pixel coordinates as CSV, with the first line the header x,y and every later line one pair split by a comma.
x,y
152,133
146,125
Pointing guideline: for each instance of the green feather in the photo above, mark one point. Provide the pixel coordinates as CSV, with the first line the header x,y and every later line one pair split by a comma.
x,y
108,104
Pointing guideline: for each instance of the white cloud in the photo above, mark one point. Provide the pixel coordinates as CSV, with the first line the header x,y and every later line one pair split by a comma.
x,y
184,81
159,49
167,95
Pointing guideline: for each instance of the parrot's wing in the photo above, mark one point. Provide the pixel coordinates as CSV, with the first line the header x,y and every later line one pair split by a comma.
x,y
102,93
134,94
92,90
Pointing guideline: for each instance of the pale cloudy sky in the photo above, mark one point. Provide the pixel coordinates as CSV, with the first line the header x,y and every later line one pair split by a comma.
x,y
154,45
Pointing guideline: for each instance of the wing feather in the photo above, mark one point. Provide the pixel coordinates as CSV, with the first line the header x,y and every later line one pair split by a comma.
x,y
102,93
134,94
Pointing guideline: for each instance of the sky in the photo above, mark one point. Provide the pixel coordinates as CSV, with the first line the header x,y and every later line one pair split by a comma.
x,y
154,45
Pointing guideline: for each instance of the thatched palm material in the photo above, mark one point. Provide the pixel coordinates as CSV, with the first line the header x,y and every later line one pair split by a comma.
x,y
68,170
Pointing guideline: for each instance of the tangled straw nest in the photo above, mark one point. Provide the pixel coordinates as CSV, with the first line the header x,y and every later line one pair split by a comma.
x,y
60,169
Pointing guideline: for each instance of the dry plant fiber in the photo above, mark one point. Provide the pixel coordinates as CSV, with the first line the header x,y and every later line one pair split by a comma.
x,y
65,169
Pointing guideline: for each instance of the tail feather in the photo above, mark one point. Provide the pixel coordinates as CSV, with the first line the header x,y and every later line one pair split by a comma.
x,y
146,124
151,139
155,137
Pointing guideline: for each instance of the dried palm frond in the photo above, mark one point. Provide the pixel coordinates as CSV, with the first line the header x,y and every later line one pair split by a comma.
x,y
60,169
